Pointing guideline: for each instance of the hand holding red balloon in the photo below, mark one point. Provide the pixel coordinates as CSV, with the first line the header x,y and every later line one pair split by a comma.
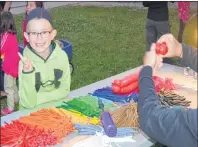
x,y
161,48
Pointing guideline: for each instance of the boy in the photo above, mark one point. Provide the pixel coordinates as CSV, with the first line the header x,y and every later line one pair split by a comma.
x,y
157,22
44,70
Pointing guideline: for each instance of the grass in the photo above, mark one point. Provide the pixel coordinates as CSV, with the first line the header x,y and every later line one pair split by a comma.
x,y
106,41
102,38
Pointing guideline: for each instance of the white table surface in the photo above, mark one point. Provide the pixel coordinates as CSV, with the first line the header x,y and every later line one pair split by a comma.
x,y
141,139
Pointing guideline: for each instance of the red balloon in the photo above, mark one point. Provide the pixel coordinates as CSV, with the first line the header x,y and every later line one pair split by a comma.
x,y
116,89
117,82
161,48
158,45
130,88
130,79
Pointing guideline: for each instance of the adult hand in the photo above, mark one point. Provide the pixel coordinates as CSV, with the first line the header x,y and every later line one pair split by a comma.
x,y
174,47
27,64
152,59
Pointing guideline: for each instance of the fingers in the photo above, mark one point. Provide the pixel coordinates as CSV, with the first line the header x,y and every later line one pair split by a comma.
x,y
159,63
23,59
160,59
27,65
153,47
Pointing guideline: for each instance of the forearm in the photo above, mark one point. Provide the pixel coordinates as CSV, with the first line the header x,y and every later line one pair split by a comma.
x,y
147,88
163,124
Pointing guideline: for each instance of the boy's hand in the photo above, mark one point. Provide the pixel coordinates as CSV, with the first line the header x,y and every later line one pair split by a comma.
x,y
174,47
27,65
152,59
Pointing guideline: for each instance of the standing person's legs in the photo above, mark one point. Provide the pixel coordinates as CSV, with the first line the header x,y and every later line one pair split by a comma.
x,y
2,84
9,83
151,33
2,80
16,92
163,27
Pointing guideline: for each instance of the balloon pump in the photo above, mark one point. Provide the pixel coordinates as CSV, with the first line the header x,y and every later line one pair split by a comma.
x,y
107,122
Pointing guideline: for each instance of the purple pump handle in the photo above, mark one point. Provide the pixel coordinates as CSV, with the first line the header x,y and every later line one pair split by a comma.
x,y
108,124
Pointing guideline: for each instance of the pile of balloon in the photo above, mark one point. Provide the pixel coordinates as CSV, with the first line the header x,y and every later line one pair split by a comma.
x,y
126,85
129,83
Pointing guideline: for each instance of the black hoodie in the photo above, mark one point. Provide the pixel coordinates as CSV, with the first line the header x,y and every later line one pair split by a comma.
x,y
157,10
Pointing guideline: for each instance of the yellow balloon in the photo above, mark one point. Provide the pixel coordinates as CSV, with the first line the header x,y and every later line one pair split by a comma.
x,y
190,32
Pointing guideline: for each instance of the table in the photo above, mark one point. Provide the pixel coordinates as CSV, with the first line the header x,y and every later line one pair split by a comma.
x,y
141,139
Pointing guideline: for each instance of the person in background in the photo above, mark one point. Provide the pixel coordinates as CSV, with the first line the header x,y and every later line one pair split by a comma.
x,y
31,5
184,14
173,127
157,23
4,6
3,93
9,53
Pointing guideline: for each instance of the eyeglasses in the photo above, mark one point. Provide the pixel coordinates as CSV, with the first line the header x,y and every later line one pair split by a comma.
x,y
44,34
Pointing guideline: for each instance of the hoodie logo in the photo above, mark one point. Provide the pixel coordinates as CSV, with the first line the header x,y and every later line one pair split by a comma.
x,y
57,76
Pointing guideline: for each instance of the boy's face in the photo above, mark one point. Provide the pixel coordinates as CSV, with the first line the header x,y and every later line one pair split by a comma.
x,y
30,6
39,34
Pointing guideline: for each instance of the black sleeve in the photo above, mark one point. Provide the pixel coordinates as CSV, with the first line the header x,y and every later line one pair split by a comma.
x,y
169,126
189,56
